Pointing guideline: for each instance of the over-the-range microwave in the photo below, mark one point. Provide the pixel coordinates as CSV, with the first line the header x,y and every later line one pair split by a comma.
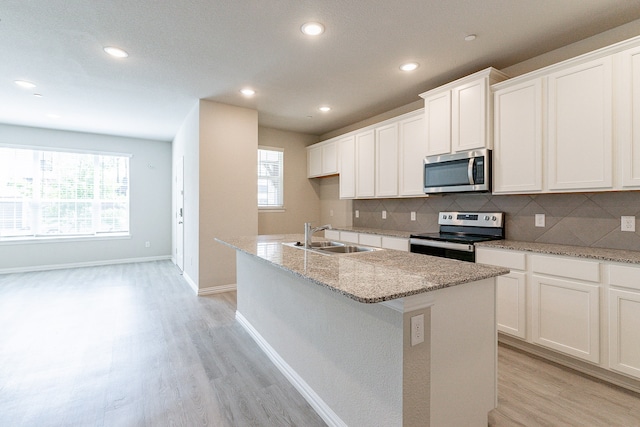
x,y
468,171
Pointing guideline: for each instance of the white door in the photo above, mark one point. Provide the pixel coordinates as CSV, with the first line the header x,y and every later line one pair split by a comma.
x,y
180,214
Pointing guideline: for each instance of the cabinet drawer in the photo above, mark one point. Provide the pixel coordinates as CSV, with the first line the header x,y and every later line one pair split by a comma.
x,y
370,240
566,267
627,277
332,234
396,243
501,258
348,236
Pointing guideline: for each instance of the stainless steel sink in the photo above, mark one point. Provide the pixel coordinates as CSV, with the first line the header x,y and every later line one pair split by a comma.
x,y
332,248
347,249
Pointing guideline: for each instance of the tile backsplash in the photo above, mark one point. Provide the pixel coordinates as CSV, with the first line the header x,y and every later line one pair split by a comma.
x,y
582,219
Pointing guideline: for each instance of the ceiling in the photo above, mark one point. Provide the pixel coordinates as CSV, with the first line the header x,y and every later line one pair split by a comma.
x,y
182,51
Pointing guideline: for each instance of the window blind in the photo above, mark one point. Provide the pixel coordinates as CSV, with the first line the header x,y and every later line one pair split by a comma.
x,y
270,177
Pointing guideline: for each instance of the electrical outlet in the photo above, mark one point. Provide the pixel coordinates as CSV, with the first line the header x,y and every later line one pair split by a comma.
x,y
384,214
413,216
628,223
147,244
540,220
330,212
417,329
357,213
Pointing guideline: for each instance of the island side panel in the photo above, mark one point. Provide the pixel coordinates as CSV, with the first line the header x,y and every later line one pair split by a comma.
x,y
349,353
463,354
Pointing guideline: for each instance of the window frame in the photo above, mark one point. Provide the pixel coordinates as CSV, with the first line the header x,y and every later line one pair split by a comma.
x,y
272,208
96,232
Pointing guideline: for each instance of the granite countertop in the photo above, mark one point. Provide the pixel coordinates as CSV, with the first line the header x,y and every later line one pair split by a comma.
x,y
378,231
600,254
367,277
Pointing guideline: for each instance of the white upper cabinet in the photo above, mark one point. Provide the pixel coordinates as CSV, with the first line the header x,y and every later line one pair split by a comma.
x,y
413,149
517,143
365,164
458,115
571,120
347,155
437,113
629,117
387,161
580,132
322,159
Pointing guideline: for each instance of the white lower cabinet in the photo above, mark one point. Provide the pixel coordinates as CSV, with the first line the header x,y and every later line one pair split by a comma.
x,y
367,239
565,316
511,290
583,308
624,320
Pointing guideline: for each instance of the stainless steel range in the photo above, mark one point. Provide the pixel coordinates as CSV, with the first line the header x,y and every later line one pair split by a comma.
x,y
459,231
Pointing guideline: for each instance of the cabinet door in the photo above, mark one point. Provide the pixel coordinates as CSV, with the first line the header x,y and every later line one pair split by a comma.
x,y
580,127
347,150
511,304
437,113
624,332
329,159
387,161
566,316
517,150
365,164
469,116
413,149
629,114
314,161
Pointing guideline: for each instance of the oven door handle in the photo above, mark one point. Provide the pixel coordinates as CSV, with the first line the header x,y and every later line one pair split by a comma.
x,y
445,245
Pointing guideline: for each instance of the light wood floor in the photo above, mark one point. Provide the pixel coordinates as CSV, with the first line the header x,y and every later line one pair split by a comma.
x,y
131,345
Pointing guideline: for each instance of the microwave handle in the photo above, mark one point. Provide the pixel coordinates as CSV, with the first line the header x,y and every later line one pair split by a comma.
x,y
472,162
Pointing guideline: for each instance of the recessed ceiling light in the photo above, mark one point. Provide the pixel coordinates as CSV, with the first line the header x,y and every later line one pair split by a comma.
x,y
470,38
116,52
53,116
409,66
37,95
312,28
324,109
24,84
248,92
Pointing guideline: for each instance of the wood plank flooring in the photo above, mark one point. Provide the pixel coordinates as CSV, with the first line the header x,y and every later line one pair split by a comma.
x,y
130,345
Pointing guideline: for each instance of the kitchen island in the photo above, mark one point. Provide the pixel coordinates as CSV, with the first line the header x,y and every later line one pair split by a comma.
x,y
340,328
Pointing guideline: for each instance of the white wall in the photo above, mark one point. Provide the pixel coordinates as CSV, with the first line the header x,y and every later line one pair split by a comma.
x,y
301,195
150,215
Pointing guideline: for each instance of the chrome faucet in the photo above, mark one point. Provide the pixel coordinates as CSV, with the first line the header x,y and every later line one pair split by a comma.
x,y
308,232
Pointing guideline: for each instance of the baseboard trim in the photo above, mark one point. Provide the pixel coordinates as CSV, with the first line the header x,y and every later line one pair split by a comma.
x,y
190,282
83,264
571,363
316,402
212,290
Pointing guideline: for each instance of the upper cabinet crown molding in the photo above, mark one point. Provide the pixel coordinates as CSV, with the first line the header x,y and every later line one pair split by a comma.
x,y
459,114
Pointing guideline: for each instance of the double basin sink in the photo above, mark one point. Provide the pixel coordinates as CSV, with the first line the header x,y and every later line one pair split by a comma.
x,y
332,248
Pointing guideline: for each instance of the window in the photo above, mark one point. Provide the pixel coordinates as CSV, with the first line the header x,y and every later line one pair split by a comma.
x,y
54,194
270,181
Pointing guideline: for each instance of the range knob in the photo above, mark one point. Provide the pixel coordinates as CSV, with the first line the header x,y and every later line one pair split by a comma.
x,y
444,217
493,218
486,217
450,217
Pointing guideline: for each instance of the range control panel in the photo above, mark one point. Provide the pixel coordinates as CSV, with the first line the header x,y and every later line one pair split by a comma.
x,y
471,219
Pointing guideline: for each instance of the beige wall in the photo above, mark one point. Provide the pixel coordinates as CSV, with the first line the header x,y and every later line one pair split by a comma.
x,y
338,213
301,195
228,187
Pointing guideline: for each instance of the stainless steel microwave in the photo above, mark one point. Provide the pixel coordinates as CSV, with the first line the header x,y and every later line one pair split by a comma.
x,y
469,171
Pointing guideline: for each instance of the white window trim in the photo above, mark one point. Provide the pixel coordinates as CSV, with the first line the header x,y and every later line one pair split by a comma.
x,y
274,209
